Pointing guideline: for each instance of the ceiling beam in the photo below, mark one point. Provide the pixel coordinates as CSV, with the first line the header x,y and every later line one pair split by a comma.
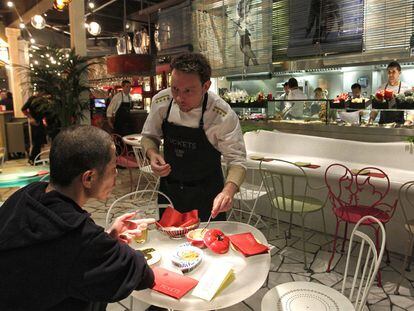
x,y
41,7
159,6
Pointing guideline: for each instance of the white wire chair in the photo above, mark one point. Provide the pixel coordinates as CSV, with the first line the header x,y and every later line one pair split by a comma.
x,y
146,175
288,189
406,201
316,295
144,202
249,194
42,158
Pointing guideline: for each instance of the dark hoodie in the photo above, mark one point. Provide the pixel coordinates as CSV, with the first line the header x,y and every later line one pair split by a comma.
x,y
54,257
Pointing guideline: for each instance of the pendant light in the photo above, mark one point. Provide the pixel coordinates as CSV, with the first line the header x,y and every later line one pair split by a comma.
x,y
94,28
38,21
60,5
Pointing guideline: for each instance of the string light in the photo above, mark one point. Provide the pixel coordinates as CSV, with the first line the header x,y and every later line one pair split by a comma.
x,y
10,4
22,25
32,41
91,5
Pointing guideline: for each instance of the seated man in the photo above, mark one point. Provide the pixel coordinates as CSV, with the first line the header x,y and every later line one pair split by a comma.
x,y
52,254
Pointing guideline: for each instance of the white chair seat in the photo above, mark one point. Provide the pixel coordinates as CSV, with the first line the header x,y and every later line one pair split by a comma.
x,y
301,296
146,169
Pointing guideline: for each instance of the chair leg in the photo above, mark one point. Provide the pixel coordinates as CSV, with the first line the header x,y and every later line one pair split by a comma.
x,y
334,247
345,235
289,234
403,269
304,243
411,250
379,283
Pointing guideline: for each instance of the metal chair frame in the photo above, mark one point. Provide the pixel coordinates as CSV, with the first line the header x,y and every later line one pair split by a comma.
x,y
406,202
346,194
38,159
249,194
122,151
286,188
145,171
366,268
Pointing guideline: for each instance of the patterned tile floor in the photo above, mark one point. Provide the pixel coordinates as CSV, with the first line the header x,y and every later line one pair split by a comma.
x,y
287,261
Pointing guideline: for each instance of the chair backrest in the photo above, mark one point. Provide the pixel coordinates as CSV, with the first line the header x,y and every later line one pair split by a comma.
x,y
2,156
286,184
120,146
137,201
406,201
367,265
42,158
366,187
139,153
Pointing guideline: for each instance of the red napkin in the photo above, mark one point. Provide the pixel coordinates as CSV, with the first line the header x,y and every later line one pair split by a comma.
x,y
312,166
173,218
40,173
379,175
172,284
246,244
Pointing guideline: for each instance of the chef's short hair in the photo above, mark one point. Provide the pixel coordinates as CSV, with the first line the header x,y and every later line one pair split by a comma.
x,y
193,63
123,83
292,82
394,65
77,149
356,86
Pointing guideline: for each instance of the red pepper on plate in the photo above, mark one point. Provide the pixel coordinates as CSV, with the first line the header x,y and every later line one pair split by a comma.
x,y
217,241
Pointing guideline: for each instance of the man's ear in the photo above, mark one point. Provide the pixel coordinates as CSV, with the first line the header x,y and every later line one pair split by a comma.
x,y
87,178
206,86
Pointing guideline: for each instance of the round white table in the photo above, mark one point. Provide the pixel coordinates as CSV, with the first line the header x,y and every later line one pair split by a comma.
x,y
250,272
132,139
309,296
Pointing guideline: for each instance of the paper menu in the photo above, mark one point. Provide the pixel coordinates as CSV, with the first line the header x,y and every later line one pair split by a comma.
x,y
172,284
213,281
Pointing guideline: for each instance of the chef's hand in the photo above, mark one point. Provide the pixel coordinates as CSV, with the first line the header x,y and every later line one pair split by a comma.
x,y
224,200
125,227
158,164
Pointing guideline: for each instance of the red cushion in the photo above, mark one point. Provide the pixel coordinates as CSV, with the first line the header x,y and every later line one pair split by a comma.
x,y
354,213
126,161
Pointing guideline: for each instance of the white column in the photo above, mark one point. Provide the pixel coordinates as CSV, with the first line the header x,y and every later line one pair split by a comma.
x,y
18,53
78,39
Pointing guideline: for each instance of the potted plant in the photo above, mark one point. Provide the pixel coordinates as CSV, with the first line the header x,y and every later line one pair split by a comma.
x,y
62,76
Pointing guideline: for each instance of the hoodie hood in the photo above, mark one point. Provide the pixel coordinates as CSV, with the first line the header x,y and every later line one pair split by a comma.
x,y
32,216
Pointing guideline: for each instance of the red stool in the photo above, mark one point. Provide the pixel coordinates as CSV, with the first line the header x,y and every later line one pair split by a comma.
x,y
124,158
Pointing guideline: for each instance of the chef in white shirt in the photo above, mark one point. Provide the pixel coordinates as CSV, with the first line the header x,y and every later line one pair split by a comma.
x,y
119,111
198,127
398,87
294,110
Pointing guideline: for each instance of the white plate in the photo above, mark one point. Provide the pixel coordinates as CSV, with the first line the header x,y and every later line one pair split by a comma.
x,y
186,265
155,256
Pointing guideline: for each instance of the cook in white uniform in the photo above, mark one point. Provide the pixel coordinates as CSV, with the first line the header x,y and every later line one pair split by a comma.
x,y
398,87
294,109
198,127
119,111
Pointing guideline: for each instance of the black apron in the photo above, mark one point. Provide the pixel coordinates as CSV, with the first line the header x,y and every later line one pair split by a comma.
x,y
123,122
392,116
196,176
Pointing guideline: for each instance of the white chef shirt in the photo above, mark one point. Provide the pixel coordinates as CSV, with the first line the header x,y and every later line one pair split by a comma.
x,y
221,124
116,102
394,88
295,108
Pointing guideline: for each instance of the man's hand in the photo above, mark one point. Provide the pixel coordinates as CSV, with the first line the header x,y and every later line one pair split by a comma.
x,y
224,200
125,228
158,164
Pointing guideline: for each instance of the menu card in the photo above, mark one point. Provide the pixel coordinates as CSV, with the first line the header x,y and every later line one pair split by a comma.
x,y
172,284
215,279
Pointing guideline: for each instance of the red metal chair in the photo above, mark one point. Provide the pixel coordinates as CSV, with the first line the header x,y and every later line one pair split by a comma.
x,y
355,194
124,158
